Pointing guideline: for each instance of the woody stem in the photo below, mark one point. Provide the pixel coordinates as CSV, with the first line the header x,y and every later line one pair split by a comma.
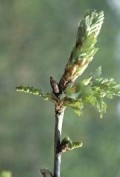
x,y
59,114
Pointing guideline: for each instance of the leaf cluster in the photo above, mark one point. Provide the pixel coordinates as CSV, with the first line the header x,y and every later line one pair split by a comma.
x,y
93,91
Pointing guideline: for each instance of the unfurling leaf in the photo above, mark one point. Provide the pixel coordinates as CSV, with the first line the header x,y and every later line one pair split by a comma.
x,y
34,91
91,91
76,105
84,49
68,145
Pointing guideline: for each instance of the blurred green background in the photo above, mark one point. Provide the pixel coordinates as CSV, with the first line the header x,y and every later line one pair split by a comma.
x,y
36,38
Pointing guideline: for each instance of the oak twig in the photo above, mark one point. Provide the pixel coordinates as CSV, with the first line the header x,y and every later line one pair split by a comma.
x,y
67,93
59,114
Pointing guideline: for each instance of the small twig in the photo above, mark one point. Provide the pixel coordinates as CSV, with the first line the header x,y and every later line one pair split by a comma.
x,y
59,114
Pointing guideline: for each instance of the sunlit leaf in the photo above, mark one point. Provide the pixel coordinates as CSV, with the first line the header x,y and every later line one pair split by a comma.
x,y
92,91
84,49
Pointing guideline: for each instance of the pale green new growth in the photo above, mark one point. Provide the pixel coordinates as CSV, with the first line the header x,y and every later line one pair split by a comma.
x,y
92,91
67,144
84,49
88,31
34,91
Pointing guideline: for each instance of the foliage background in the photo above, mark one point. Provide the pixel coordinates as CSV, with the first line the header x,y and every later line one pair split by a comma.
x,y
36,38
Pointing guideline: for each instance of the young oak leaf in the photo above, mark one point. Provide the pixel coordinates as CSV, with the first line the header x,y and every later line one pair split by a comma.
x,y
92,91
34,91
67,144
84,49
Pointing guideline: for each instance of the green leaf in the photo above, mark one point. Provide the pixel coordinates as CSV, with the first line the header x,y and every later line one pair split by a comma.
x,y
76,105
34,91
84,49
68,145
93,91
